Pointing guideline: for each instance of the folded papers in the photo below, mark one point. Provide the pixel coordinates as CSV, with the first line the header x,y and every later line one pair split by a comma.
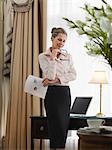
x,y
101,129
34,86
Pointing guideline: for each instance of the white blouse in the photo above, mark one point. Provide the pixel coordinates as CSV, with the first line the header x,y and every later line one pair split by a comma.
x,y
62,67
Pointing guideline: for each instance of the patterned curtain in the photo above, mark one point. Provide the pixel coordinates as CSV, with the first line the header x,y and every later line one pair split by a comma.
x,y
1,59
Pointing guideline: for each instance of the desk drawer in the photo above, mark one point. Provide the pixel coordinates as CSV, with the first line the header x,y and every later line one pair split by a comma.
x,y
39,128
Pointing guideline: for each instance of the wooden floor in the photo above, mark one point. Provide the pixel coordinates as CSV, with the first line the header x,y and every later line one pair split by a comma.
x,y
71,144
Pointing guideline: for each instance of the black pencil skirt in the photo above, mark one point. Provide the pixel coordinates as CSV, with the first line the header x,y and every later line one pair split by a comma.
x,y
57,105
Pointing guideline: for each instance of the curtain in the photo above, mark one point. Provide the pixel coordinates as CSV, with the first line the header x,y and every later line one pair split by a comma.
x,y
29,22
1,59
5,66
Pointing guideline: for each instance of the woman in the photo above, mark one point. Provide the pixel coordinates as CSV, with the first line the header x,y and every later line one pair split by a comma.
x,y
58,70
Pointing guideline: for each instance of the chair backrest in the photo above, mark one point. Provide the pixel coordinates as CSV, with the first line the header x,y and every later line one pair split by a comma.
x,y
80,105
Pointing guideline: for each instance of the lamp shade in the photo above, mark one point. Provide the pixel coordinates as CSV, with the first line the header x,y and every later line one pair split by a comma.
x,y
99,77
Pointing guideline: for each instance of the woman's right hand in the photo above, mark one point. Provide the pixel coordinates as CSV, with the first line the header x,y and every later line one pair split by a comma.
x,y
55,52
46,82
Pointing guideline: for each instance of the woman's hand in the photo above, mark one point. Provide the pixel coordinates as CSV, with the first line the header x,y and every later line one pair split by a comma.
x,y
47,82
55,53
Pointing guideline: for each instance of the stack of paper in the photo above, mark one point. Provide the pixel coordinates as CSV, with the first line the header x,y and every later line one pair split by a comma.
x,y
34,86
91,130
101,129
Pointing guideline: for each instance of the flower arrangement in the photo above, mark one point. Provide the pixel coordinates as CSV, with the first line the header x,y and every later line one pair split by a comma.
x,y
98,28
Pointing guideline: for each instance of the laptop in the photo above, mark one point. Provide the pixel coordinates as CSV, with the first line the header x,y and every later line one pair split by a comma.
x,y
80,105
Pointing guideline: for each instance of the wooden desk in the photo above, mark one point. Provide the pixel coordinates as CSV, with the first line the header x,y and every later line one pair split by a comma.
x,y
94,141
39,129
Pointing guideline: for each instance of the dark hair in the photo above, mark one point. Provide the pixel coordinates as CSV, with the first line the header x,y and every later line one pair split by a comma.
x,y
56,31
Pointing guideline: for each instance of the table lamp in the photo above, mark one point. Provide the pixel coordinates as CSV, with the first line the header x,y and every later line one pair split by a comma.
x,y
99,77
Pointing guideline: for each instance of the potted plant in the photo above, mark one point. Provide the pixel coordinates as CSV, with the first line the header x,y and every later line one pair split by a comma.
x,y
98,28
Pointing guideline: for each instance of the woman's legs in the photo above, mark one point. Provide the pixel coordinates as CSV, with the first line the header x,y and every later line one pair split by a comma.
x,y
57,105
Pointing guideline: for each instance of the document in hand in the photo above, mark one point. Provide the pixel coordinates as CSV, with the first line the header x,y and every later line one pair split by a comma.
x,y
34,86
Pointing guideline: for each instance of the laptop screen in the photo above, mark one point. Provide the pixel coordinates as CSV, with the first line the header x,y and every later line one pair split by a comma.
x,y
80,105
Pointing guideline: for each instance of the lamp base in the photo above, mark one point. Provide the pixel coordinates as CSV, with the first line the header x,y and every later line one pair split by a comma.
x,y
100,114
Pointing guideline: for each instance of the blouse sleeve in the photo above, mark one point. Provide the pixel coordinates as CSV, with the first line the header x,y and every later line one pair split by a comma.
x,y
69,74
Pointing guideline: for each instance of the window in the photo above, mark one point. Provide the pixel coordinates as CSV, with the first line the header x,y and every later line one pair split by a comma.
x,y
84,64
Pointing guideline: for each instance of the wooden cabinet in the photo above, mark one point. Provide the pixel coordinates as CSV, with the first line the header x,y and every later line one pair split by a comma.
x,y
39,128
93,141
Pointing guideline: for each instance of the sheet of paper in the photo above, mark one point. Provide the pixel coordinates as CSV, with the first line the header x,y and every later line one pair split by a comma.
x,y
34,86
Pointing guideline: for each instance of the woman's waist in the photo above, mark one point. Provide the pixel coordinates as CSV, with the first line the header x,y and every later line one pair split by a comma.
x,y
58,85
